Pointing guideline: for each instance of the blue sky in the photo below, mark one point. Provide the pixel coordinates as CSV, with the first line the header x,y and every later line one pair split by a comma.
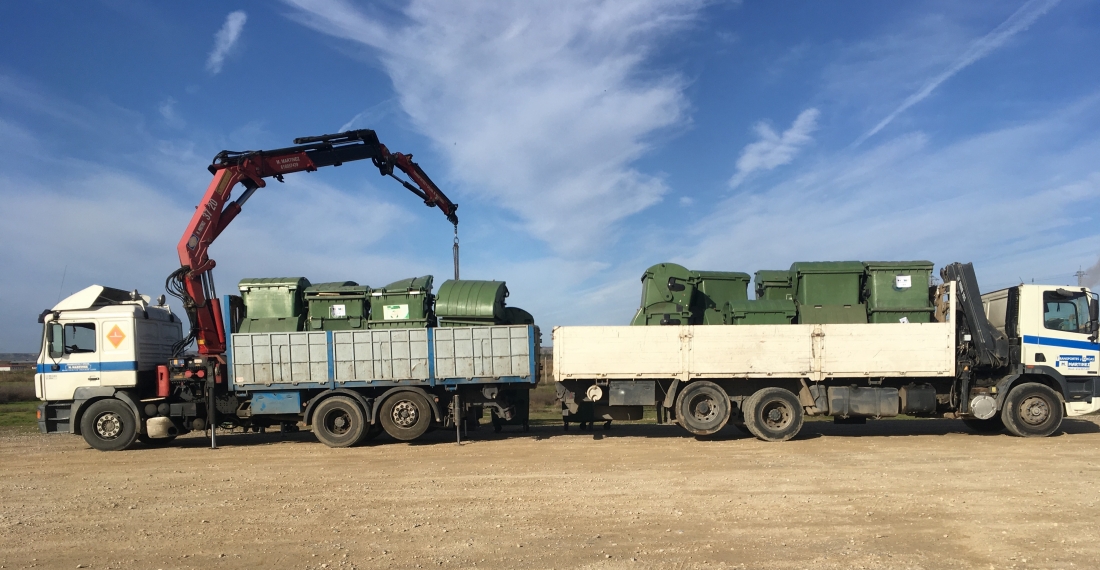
x,y
584,141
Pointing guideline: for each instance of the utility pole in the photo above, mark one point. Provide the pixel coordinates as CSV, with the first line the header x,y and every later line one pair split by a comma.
x,y
1080,277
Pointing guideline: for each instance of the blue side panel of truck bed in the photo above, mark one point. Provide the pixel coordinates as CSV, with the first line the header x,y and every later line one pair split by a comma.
x,y
380,358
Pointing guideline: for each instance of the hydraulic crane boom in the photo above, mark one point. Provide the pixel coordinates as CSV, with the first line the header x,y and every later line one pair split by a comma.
x,y
193,282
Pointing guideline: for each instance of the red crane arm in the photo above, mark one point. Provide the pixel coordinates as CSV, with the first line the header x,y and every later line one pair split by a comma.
x,y
193,281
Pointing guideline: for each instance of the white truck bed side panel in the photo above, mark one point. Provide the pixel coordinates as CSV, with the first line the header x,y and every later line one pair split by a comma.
x,y
754,351
889,350
617,352
751,351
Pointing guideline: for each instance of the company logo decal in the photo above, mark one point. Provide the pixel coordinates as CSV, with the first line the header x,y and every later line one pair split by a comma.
x,y
1075,361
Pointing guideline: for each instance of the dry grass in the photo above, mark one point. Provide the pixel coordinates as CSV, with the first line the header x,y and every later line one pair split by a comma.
x,y
16,392
17,386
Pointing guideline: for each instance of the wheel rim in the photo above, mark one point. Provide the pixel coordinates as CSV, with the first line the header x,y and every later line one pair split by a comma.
x,y
703,408
405,414
338,422
108,425
1035,410
776,414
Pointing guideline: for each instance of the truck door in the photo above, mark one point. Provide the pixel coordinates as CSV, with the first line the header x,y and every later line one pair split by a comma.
x,y
1063,342
71,360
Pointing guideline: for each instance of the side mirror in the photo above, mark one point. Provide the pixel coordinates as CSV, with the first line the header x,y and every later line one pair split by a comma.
x,y
55,340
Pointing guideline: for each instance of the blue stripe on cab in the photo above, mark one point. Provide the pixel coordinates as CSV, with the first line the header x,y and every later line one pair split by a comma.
x,y
1048,341
125,366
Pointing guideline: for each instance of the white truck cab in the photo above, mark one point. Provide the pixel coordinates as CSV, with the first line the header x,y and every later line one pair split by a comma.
x,y
1052,326
100,343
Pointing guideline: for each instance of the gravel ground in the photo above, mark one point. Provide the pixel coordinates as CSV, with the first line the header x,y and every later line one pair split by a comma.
x,y
890,494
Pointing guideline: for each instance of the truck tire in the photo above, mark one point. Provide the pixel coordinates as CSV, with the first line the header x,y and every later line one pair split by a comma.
x,y
109,425
1032,410
703,408
773,414
406,416
374,430
338,422
156,441
992,425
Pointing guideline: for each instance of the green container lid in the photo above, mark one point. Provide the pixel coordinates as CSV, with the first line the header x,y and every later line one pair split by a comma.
x,y
517,316
423,284
299,283
779,277
469,299
827,267
336,287
921,265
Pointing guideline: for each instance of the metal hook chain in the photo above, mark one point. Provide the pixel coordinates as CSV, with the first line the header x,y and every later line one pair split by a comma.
x,y
456,252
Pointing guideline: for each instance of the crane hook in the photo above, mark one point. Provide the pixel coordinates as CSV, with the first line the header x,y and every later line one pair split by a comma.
x,y
456,251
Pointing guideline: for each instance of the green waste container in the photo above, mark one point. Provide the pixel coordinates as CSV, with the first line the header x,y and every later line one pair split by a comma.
x,y
774,285
468,302
898,291
659,314
273,304
338,306
716,288
667,289
404,304
827,282
832,314
517,316
762,312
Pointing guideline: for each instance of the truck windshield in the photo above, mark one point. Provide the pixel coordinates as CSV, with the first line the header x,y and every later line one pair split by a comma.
x,y
1067,314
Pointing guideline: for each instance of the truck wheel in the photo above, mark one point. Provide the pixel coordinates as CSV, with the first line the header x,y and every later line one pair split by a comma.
x,y
338,422
374,430
109,425
1032,410
703,408
773,414
992,425
406,416
156,441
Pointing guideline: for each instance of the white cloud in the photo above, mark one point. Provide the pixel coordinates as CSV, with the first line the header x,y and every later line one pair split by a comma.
x,y
774,150
167,109
997,198
1016,23
540,107
225,39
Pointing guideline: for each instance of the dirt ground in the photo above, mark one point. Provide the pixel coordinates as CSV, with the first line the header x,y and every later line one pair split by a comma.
x,y
890,494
